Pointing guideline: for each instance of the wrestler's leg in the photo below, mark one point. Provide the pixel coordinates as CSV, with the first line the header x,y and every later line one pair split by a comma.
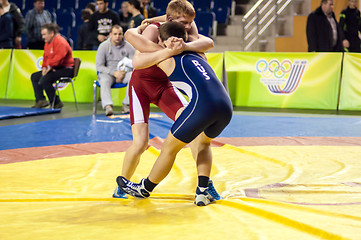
x,y
139,145
165,160
202,154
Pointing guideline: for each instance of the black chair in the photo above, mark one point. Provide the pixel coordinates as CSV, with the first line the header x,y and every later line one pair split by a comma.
x,y
71,80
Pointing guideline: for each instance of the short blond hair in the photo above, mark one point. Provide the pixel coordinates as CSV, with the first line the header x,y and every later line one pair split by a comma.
x,y
179,8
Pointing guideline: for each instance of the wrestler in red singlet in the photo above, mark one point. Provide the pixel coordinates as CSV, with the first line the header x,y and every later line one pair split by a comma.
x,y
151,85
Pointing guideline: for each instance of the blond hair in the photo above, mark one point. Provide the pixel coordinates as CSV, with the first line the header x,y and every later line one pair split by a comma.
x,y
179,8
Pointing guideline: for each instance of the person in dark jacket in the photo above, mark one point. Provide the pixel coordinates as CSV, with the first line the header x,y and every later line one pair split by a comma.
x,y
83,41
18,21
124,16
147,10
350,22
6,29
101,22
323,32
137,16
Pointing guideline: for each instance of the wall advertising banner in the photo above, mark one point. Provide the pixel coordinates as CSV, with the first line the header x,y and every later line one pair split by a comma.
x,y
350,96
283,80
216,61
26,62
5,55
85,80
23,64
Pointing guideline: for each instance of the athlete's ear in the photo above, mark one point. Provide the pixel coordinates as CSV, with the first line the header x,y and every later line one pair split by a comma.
x,y
160,41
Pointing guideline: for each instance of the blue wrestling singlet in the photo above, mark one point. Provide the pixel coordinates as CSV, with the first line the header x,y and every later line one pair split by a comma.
x,y
209,109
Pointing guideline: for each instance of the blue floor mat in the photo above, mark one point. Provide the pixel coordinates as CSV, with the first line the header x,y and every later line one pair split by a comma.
x,y
100,128
16,112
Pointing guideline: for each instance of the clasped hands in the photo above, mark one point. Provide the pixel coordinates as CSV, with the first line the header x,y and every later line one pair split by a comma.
x,y
175,45
119,76
45,71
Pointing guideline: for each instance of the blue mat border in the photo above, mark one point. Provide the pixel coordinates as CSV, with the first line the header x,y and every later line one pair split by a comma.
x,y
99,128
17,112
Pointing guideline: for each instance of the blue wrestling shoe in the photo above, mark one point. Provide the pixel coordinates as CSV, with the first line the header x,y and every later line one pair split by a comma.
x,y
213,192
203,198
136,190
118,193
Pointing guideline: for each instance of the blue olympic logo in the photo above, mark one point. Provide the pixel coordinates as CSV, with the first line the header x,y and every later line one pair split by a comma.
x,y
39,62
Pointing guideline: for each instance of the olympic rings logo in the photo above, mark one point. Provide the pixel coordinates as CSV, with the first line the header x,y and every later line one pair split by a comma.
x,y
273,68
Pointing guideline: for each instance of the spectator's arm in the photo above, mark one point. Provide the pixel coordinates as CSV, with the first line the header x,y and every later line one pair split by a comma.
x,y
101,61
29,25
59,53
116,20
341,32
342,21
311,34
7,31
359,23
92,30
20,23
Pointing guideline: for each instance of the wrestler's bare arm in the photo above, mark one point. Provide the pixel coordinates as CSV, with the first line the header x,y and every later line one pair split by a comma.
x,y
197,42
143,41
161,57
162,18
144,60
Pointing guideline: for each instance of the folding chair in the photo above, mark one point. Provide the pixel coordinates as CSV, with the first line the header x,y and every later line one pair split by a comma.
x,y
95,95
77,62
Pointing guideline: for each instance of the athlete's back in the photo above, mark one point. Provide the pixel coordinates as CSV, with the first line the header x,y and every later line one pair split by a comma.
x,y
210,108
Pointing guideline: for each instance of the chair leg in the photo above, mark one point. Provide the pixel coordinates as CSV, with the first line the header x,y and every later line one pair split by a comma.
x,y
56,92
76,103
94,98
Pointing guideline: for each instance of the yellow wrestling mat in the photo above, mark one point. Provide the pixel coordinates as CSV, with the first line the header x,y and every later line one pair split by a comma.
x,y
270,192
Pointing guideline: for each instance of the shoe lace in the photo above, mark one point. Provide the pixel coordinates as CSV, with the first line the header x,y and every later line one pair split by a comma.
x,y
212,191
133,185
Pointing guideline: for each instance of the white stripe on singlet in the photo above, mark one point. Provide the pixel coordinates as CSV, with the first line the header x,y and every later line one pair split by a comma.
x,y
196,97
137,108
180,96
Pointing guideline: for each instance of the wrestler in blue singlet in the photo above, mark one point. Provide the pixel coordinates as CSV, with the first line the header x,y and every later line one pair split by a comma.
x,y
209,109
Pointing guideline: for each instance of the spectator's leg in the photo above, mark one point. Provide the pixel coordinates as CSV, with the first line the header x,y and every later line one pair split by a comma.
x,y
106,81
47,82
38,90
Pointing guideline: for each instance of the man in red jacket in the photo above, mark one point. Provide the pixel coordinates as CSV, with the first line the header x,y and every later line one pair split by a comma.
x,y
57,62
